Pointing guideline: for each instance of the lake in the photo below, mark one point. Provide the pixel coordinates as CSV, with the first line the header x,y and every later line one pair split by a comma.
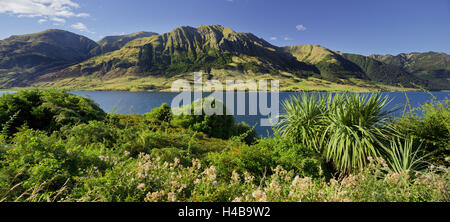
x,y
142,102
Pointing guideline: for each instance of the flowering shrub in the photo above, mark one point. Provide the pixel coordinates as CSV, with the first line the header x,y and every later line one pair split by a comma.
x,y
156,181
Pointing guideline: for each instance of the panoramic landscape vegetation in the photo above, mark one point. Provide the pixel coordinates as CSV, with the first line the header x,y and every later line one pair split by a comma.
x,y
339,138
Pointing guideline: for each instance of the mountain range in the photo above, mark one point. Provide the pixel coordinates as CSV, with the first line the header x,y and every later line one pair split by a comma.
x,y
151,61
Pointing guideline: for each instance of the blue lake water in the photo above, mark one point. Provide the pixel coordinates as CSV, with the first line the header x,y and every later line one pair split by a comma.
x,y
142,102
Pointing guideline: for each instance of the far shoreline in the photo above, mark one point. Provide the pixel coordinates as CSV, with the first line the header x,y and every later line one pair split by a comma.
x,y
168,91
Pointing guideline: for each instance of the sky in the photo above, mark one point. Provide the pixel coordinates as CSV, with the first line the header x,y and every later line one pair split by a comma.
x,y
352,26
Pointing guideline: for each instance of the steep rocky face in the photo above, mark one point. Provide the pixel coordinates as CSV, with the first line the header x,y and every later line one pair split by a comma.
x,y
23,57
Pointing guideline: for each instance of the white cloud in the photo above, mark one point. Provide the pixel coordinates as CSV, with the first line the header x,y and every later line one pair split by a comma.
x,y
287,39
300,27
41,21
273,38
55,10
81,27
58,20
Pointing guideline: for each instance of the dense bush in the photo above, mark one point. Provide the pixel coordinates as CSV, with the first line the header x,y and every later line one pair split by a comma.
x,y
45,110
267,154
247,133
217,126
430,124
163,113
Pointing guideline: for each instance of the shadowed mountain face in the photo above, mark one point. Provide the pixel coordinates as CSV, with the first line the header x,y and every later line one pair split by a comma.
x,y
432,66
56,55
113,43
335,65
23,57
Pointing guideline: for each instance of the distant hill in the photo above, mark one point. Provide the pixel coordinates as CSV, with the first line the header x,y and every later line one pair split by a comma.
x,y
113,43
24,57
431,66
335,65
148,61
331,64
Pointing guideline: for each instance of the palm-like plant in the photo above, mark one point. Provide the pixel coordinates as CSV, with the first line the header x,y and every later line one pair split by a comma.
x,y
355,130
302,121
405,155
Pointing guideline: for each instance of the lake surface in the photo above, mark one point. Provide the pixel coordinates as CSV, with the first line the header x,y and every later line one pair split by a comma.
x,y
143,102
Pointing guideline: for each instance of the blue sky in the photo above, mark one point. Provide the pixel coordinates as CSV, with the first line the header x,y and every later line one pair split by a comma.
x,y
354,26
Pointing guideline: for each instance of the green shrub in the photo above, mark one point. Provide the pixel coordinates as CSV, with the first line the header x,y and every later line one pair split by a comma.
x,y
345,128
431,127
404,155
356,130
303,120
45,110
247,133
163,113
37,167
217,126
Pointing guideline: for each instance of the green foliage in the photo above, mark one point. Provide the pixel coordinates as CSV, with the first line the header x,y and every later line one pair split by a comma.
x,y
217,126
303,120
163,113
405,156
260,159
37,167
8,127
345,128
431,126
355,130
141,158
46,110
247,133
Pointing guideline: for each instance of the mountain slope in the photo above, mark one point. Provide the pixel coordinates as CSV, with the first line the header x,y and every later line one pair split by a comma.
x,y
332,65
188,49
24,57
147,61
377,71
432,66
113,43
335,66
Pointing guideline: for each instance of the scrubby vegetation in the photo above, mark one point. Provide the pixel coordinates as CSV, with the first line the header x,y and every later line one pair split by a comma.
x,y
60,147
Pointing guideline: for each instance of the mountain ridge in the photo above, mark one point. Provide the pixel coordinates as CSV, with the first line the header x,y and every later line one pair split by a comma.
x,y
221,52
